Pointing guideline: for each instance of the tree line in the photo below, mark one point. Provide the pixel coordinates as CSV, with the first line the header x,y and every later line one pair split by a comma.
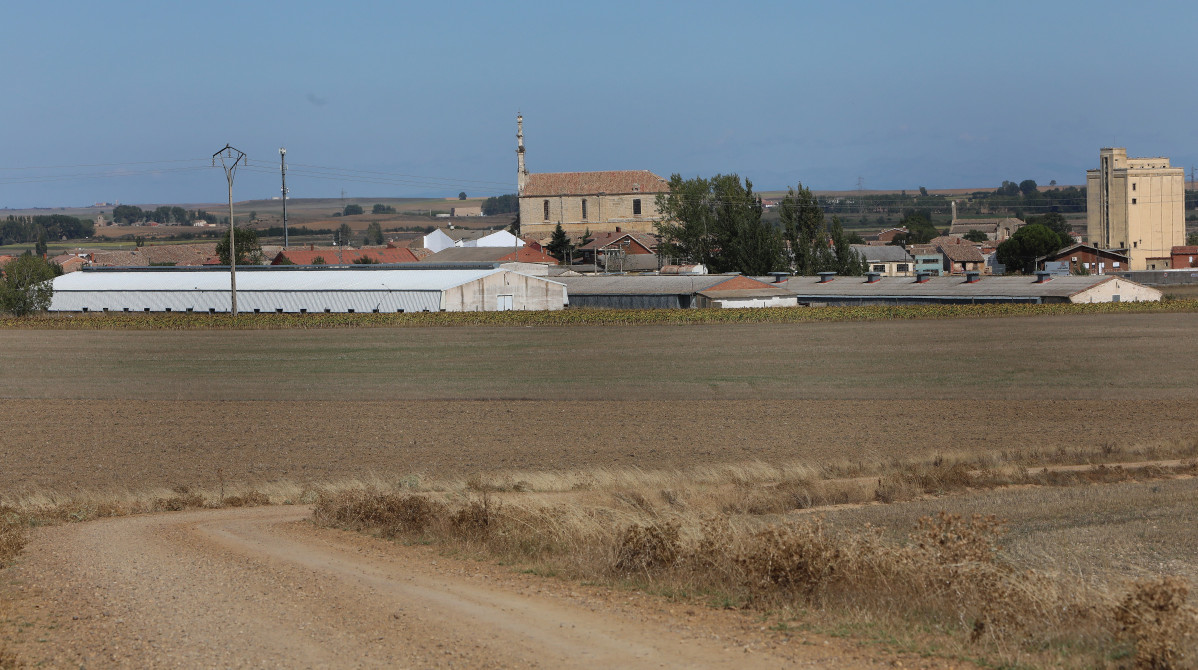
x,y
39,229
131,214
717,222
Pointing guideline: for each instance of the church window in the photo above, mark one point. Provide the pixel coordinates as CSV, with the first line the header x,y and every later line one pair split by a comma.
x,y
546,210
636,207
584,209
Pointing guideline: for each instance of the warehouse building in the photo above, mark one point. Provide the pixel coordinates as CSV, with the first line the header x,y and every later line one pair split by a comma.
x,y
675,292
972,288
291,289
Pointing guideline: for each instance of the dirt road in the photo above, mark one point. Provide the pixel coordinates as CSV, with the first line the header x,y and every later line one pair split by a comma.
x,y
262,587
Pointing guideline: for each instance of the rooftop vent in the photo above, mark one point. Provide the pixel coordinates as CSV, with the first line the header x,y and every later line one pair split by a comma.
x,y
871,277
825,277
921,277
1043,277
972,277
780,277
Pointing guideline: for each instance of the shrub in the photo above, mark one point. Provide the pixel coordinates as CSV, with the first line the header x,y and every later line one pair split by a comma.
x,y
1155,615
645,548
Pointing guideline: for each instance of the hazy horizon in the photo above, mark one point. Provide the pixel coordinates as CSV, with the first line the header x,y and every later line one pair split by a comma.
x,y
127,101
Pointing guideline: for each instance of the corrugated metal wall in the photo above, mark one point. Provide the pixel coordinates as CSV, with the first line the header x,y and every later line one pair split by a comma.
x,y
247,301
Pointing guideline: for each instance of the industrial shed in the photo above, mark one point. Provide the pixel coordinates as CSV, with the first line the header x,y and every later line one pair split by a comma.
x,y
674,292
306,289
967,289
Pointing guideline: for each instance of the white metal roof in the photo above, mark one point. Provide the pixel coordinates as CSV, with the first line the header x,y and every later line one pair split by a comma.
x,y
342,279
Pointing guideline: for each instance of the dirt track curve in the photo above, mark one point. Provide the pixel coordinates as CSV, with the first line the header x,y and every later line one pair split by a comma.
x,y
262,587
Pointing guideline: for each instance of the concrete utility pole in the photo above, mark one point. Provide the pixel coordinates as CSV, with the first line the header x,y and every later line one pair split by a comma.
x,y
283,165
238,157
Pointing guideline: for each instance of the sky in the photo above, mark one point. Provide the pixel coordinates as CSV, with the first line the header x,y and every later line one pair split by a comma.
x,y
127,101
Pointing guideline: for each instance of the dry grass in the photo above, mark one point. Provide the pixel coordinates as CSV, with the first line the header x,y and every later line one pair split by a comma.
x,y
733,535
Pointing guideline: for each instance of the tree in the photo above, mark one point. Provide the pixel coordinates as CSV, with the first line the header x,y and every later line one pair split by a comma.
x,y
802,224
28,285
1027,186
502,204
366,260
341,237
249,251
253,215
40,248
1021,250
919,229
374,233
559,244
382,209
1192,239
923,190
975,236
847,262
1055,222
717,222
587,238
319,260
462,195
352,210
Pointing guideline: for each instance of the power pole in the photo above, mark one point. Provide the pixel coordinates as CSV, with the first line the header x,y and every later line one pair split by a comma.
x,y
238,157
283,166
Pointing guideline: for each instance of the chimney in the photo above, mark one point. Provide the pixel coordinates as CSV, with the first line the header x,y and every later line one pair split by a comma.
x,y
825,277
972,277
872,277
1043,277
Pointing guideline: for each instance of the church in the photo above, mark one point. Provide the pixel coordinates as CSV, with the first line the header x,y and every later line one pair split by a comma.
x,y
608,201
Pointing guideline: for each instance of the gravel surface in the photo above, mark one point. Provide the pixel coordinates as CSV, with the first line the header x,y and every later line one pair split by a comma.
x,y
262,587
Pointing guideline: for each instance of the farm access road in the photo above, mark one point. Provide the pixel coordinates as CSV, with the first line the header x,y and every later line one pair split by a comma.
x,y
262,587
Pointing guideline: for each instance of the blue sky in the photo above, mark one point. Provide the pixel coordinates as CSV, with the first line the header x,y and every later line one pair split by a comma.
x,y
939,94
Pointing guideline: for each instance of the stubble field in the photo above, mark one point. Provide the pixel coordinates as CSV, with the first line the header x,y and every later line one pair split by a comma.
x,y
861,425
101,409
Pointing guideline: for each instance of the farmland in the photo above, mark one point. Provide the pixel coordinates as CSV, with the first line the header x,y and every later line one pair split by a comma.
x,y
708,431
133,409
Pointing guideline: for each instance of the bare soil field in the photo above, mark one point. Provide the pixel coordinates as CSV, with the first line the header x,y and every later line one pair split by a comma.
x,y
90,409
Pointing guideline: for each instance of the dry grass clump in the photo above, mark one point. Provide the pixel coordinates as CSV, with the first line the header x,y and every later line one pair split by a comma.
x,y
12,534
949,575
1155,615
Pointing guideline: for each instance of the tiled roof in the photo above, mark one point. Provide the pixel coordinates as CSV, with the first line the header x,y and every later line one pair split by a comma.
x,y
604,239
488,254
882,254
347,256
962,253
591,183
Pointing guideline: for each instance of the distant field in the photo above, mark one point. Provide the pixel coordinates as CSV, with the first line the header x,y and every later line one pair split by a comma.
x,y
138,409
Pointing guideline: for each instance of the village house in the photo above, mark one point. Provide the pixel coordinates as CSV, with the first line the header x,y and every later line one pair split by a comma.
x,y
1085,259
598,201
621,251
888,260
1183,257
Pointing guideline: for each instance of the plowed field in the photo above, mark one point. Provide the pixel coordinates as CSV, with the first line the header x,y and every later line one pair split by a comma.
x,y
140,409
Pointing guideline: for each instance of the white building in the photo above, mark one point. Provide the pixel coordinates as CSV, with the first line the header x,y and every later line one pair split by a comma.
x,y
445,238
300,289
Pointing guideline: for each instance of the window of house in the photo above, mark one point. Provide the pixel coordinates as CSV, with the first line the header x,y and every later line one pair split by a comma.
x,y
636,207
902,267
879,268
1133,186
1133,201
584,209
546,210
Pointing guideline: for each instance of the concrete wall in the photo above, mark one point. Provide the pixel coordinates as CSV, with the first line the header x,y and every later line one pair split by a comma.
x,y
527,293
1127,291
1136,204
744,303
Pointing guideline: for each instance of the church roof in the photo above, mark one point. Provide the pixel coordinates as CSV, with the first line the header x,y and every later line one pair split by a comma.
x,y
592,183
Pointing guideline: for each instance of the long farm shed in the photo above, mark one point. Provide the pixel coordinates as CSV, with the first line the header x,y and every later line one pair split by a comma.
x,y
302,289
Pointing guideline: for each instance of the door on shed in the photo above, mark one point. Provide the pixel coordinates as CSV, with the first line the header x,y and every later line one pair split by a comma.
x,y
503,303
